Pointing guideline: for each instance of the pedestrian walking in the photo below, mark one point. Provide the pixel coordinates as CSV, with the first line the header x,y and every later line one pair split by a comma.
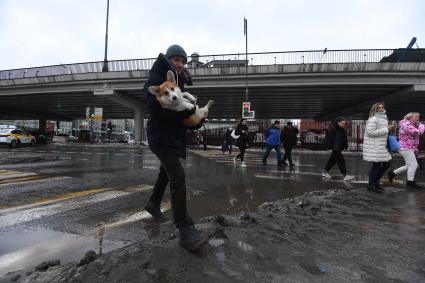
x,y
242,141
375,145
228,141
166,136
273,142
289,139
410,131
336,140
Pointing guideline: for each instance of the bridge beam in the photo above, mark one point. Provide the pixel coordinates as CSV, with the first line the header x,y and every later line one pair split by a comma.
x,y
138,106
30,114
364,106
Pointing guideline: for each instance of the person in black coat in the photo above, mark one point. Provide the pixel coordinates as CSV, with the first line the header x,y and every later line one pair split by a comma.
x,y
289,140
242,142
166,137
336,140
228,141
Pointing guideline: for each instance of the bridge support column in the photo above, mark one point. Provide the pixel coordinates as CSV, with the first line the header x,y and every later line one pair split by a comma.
x,y
138,106
139,124
42,125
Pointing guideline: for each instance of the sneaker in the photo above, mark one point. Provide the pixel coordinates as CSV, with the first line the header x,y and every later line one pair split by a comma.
x,y
413,185
374,189
234,160
326,175
348,177
191,239
155,211
391,175
243,164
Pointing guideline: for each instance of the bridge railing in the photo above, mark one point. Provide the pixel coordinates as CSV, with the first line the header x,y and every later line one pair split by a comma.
x,y
209,61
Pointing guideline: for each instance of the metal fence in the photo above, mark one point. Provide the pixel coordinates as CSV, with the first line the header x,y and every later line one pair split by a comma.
x,y
208,61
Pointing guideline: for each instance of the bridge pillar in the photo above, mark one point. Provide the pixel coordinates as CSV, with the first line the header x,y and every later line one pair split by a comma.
x,y
138,106
42,125
139,124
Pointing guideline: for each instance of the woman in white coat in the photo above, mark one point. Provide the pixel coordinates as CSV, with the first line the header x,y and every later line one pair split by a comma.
x,y
375,145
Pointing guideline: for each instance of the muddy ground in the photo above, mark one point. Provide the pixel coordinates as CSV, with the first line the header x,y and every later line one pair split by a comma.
x,y
332,236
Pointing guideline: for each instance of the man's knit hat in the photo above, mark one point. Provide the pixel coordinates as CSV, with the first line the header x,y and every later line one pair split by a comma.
x,y
176,50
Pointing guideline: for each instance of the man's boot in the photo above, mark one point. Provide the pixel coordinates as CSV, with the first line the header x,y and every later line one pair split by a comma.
x,y
191,239
391,175
374,189
413,185
155,211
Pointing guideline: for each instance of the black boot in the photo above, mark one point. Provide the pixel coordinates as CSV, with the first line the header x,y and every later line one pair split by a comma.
x,y
155,211
391,175
191,239
264,162
413,185
374,189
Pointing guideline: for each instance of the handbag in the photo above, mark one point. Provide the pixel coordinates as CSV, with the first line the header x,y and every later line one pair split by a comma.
x,y
234,135
393,143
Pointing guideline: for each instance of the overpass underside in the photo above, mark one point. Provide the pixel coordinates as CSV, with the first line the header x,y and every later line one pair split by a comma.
x,y
317,91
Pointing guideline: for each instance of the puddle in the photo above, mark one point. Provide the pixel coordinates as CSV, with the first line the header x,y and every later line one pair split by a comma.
x,y
22,250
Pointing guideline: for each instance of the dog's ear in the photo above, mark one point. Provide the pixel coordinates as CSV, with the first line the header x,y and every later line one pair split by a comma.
x,y
154,90
170,77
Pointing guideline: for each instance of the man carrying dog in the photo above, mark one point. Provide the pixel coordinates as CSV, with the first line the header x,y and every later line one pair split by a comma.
x,y
166,137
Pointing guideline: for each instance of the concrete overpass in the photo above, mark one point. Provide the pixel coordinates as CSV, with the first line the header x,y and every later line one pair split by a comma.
x,y
312,89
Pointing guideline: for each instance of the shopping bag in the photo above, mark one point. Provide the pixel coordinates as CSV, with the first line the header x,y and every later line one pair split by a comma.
x,y
393,143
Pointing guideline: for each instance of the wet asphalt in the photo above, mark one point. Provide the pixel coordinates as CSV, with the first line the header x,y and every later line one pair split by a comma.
x,y
58,201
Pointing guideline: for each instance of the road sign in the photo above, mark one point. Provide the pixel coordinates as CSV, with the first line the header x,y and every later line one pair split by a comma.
x,y
98,114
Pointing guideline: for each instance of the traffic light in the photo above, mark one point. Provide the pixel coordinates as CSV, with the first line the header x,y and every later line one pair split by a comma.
x,y
245,109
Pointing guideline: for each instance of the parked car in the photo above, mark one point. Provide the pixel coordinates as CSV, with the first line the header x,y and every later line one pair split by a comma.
x,y
40,136
13,137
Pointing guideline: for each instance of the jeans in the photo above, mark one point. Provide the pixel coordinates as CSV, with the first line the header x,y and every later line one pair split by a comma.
x,y
269,149
336,158
288,153
241,155
411,164
377,171
172,171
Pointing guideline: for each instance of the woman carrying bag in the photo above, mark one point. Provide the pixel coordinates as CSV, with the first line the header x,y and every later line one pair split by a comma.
x,y
410,131
375,145
241,132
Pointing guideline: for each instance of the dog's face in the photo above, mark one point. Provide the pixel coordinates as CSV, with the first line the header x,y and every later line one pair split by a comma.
x,y
168,93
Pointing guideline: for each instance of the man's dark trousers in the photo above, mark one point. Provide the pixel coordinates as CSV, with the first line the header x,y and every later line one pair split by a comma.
x,y
172,171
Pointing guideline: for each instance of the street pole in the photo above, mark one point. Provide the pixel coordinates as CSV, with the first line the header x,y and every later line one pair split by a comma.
x,y
246,57
105,60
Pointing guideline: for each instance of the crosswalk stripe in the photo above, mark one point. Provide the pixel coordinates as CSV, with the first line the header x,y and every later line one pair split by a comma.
x,y
33,180
21,180
16,215
15,175
165,206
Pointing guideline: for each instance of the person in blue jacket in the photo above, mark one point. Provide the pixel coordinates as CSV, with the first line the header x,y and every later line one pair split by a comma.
x,y
166,137
273,142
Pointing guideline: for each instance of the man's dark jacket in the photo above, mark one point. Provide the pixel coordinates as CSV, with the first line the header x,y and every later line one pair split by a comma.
x,y
166,134
288,136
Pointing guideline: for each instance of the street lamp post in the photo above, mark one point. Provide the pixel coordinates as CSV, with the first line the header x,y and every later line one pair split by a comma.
x,y
105,60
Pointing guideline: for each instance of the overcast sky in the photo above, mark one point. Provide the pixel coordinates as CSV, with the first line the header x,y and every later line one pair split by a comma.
x,y
48,32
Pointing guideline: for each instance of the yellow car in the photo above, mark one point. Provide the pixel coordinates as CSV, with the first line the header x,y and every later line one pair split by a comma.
x,y
13,136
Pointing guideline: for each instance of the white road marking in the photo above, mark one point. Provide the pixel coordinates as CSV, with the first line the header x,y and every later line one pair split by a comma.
x,y
16,217
15,175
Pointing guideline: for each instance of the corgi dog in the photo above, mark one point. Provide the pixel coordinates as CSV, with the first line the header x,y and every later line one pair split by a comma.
x,y
169,96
